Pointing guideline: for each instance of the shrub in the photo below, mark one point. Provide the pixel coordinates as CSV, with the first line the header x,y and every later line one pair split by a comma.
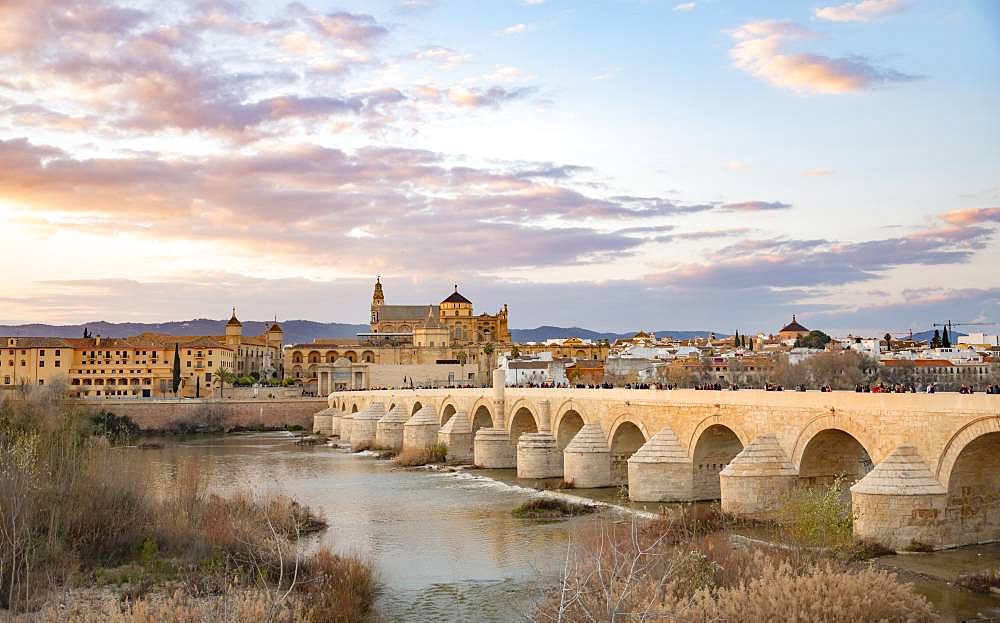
x,y
422,456
816,516
550,508
119,430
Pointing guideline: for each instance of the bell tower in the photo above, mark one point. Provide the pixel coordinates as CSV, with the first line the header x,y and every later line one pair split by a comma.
x,y
378,299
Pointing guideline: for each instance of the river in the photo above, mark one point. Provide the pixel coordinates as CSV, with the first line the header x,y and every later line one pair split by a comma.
x,y
446,544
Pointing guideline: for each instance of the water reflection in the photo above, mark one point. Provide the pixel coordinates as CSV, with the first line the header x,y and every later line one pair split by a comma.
x,y
447,548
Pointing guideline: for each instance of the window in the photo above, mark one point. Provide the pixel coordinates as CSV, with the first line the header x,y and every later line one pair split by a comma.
x,y
41,353
6,380
189,364
210,363
41,381
57,352
23,363
41,364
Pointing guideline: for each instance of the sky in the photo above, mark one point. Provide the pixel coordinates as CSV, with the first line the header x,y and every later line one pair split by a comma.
x,y
617,164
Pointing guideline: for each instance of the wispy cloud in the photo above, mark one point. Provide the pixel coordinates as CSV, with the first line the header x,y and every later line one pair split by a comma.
x,y
819,172
516,29
863,11
759,52
685,6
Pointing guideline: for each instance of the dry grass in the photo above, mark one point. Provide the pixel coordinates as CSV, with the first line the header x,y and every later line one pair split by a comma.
x,y
980,582
437,453
665,569
75,512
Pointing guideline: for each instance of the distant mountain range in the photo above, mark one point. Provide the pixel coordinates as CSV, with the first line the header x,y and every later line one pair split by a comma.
x,y
925,336
296,331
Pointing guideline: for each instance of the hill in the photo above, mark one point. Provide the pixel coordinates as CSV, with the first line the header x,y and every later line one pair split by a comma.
x,y
296,331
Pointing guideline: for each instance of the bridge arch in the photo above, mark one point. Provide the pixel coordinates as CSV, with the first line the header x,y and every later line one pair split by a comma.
x,y
959,441
448,410
833,453
715,442
522,403
522,420
973,481
417,406
628,434
566,426
845,424
354,407
482,417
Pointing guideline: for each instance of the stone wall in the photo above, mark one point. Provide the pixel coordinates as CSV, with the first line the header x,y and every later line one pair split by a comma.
x,y
152,414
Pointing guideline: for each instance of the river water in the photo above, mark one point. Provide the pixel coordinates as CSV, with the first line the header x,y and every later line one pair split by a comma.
x,y
446,545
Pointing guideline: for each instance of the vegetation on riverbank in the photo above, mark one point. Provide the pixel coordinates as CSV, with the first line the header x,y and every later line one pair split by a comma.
x,y
551,508
438,453
695,571
79,517
984,582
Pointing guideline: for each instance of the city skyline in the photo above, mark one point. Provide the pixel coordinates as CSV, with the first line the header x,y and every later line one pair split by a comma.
x,y
695,165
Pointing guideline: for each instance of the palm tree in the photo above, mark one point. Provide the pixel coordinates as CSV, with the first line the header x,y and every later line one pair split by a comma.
x,y
224,376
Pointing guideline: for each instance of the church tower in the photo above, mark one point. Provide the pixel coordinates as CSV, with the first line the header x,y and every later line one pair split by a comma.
x,y
234,331
378,300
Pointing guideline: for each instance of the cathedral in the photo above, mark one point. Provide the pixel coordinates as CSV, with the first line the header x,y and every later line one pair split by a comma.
x,y
455,314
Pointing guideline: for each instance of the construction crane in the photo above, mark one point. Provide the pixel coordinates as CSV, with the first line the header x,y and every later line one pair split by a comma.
x,y
951,324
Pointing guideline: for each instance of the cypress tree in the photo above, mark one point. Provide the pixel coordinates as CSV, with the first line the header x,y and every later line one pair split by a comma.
x,y
197,387
737,339
945,339
177,368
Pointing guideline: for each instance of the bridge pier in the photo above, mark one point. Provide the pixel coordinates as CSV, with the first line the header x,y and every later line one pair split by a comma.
x,y
421,430
587,458
492,449
754,481
457,435
389,432
365,425
900,503
323,422
660,471
538,456
346,423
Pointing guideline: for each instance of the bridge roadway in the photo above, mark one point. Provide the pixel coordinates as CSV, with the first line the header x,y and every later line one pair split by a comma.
x,y
922,468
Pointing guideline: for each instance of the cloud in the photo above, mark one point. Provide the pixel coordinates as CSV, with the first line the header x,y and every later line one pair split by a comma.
x,y
491,97
758,51
972,216
863,11
350,29
819,172
443,57
685,6
515,29
756,206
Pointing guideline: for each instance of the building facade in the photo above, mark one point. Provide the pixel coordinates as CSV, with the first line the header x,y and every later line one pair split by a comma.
x,y
140,366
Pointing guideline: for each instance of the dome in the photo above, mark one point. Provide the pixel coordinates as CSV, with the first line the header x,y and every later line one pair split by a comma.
x,y
794,327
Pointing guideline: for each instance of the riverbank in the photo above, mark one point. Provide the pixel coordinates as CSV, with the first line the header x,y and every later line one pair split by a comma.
x,y
87,523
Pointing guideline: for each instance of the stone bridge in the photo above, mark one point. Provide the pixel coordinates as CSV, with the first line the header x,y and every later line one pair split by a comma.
x,y
922,468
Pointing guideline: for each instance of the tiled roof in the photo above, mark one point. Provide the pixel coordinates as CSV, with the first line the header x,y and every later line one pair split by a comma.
x,y
413,313
455,297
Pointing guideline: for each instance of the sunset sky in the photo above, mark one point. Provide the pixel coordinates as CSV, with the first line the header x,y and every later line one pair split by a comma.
x,y
716,164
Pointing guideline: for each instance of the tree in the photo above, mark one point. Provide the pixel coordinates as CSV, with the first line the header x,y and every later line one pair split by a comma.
x,y
86,333
888,342
176,377
936,340
815,339
736,341
224,376
945,339
197,387
515,352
